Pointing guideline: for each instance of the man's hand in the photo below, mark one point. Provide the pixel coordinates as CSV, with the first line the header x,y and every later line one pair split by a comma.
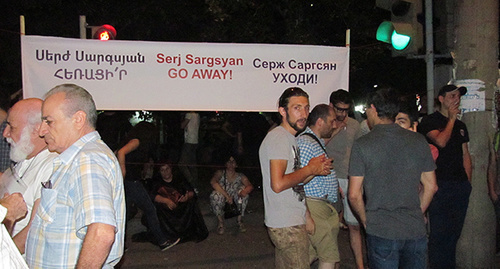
x,y
16,207
453,111
320,166
170,204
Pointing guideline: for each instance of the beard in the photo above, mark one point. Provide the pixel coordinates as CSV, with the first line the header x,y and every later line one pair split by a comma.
x,y
295,126
20,150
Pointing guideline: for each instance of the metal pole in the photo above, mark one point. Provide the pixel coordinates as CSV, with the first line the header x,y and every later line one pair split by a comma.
x,y
348,37
429,56
83,27
22,26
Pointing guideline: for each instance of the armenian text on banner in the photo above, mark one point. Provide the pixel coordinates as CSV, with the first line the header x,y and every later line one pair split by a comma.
x,y
140,75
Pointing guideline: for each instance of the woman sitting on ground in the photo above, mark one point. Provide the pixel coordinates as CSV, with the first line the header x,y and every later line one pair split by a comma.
x,y
177,207
231,187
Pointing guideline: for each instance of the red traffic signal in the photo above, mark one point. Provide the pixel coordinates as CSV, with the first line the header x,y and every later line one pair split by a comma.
x,y
104,32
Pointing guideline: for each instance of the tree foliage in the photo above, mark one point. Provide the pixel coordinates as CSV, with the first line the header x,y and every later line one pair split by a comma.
x,y
314,22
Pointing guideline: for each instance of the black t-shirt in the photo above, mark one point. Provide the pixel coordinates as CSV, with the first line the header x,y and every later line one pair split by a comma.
x,y
450,162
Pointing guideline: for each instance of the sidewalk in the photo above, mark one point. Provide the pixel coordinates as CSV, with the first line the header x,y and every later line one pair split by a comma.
x,y
233,249
251,249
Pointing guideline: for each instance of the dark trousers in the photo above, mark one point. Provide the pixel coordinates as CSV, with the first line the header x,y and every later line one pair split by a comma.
x,y
393,254
446,218
136,193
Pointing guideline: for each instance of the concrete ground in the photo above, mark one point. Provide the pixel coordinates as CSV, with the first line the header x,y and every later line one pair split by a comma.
x,y
233,249
251,249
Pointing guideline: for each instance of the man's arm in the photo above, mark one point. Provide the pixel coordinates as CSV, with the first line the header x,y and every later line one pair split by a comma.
x,y
317,166
96,245
467,161
492,175
355,195
20,238
185,122
428,180
121,154
441,138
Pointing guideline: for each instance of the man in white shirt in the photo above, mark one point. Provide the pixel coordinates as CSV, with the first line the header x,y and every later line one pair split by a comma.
x,y
12,208
33,161
187,161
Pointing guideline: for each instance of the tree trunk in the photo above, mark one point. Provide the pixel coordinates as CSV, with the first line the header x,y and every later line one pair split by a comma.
x,y
476,57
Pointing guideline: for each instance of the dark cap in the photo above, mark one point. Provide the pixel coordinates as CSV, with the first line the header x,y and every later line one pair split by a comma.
x,y
450,88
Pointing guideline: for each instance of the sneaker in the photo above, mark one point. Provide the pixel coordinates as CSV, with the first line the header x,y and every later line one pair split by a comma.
x,y
169,243
242,227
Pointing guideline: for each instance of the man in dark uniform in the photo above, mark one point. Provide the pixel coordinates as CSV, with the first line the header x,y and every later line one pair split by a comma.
x,y
454,169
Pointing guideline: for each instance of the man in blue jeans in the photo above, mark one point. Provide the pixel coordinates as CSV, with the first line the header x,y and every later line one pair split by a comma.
x,y
389,164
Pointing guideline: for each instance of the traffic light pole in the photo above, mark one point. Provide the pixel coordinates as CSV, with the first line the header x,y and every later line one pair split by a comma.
x,y
83,27
429,56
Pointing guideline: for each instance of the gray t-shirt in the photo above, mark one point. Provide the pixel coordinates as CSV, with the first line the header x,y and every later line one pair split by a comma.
x,y
339,147
391,160
282,209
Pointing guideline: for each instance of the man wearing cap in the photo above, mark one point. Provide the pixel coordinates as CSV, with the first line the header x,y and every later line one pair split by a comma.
x,y
454,169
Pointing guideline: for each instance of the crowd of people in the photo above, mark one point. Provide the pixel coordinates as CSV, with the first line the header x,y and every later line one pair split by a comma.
x,y
393,180
67,196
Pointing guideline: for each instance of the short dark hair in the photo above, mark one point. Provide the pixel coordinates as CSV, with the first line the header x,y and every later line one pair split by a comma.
x,y
341,96
288,93
320,111
386,102
409,109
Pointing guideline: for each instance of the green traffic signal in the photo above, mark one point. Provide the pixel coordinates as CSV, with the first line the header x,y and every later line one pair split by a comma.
x,y
399,41
387,33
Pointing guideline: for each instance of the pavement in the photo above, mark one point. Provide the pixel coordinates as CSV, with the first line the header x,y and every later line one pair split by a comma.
x,y
252,249
233,249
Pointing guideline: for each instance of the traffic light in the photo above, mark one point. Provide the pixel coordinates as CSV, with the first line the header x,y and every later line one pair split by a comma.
x,y
103,32
403,32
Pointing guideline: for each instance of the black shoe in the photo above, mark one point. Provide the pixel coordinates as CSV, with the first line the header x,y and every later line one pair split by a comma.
x,y
169,243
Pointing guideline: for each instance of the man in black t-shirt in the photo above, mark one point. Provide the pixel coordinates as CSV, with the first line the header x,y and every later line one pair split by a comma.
x,y
454,169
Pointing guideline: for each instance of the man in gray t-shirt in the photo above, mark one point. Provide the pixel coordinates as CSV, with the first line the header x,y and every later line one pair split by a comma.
x,y
388,164
282,182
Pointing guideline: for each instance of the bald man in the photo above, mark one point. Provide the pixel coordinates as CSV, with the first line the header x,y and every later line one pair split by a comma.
x,y
33,161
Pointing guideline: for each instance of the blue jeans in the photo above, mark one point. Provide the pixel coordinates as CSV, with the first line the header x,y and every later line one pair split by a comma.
x,y
137,194
387,253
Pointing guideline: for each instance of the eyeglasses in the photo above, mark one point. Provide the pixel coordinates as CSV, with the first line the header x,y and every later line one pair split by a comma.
x,y
341,110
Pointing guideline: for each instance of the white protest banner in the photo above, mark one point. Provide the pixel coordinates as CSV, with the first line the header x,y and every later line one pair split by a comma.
x,y
139,75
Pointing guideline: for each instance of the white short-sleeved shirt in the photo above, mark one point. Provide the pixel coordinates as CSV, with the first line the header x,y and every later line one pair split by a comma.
x,y
191,129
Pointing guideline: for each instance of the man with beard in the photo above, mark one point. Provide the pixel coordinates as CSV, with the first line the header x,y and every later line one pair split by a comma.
x,y
339,148
34,161
283,179
321,191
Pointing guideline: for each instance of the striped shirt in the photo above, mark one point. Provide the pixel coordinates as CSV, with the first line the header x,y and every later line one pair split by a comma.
x,y
86,187
325,187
